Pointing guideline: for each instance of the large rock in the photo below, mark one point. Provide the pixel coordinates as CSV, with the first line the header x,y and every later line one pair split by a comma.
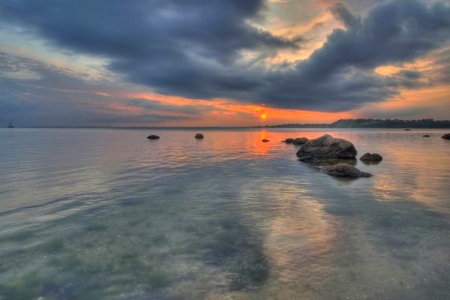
x,y
300,141
446,136
344,170
371,157
328,147
199,136
153,137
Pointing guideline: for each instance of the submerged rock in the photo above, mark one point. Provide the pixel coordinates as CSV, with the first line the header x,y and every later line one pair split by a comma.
x,y
446,136
371,157
153,137
300,141
407,129
199,136
265,141
426,135
335,161
289,140
344,170
328,147
309,160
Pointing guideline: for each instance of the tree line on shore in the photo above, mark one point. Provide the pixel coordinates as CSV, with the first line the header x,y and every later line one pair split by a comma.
x,y
371,123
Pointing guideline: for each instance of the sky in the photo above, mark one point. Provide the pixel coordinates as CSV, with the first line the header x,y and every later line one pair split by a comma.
x,y
222,62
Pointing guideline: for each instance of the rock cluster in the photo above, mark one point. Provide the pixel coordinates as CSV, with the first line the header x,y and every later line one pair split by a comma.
x,y
330,150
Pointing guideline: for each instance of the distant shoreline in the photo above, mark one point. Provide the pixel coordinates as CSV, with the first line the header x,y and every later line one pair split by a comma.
x,y
340,124
373,124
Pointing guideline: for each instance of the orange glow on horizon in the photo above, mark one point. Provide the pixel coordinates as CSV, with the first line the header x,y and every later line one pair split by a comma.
x,y
436,105
226,112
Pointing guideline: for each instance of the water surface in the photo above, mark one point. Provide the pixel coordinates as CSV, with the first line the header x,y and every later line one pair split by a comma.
x,y
108,214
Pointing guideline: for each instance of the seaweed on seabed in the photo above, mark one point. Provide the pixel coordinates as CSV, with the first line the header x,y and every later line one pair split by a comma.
x,y
36,284
252,270
232,246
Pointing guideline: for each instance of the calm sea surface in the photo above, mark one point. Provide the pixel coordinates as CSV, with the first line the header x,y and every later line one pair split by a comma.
x,y
108,214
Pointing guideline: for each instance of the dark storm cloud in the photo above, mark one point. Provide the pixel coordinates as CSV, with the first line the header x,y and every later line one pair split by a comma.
x,y
187,48
340,75
146,29
195,48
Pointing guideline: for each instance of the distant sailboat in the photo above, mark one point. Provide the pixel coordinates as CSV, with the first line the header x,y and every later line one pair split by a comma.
x,y
10,125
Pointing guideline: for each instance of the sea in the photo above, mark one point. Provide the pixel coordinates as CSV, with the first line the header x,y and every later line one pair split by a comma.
x,y
109,214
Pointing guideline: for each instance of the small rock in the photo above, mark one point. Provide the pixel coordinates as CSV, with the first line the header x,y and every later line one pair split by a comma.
x,y
426,135
371,157
300,141
289,141
446,136
344,170
407,129
265,141
153,137
199,136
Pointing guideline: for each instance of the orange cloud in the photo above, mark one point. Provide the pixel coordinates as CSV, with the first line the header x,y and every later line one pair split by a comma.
x,y
314,33
421,65
327,3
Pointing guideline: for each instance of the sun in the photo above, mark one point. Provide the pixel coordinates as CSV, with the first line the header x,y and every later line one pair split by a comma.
x,y
263,116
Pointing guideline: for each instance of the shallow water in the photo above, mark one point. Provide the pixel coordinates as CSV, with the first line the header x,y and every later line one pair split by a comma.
x,y
108,214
